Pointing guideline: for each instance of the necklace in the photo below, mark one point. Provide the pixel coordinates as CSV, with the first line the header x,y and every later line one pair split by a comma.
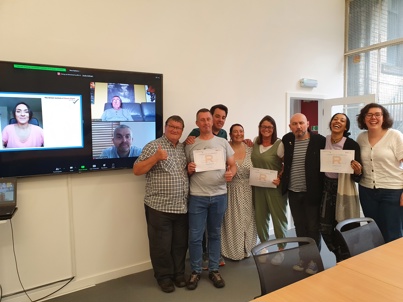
x,y
335,140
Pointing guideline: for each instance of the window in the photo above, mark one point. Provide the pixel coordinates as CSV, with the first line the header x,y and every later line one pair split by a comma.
x,y
374,53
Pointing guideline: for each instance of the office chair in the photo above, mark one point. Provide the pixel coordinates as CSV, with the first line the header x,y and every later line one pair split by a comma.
x,y
148,110
33,121
275,275
364,237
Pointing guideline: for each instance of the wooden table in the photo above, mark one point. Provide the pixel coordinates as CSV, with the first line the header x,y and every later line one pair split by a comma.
x,y
375,275
384,263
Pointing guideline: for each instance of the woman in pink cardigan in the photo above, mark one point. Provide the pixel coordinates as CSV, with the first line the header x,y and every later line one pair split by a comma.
x,y
22,134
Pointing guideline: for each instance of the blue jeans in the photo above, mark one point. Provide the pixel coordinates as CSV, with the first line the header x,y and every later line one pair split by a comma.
x,y
204,210
383,205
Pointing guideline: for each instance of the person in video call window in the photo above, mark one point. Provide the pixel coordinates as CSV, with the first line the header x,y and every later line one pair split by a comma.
x,y
122,144
22,134
116,113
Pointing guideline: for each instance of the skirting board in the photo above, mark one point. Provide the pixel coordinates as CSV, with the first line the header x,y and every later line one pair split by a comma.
x,y
80,283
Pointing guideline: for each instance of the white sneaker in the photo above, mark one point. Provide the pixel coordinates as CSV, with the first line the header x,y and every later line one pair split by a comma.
x,y
312,268
299,267
263,257
278,258
263,251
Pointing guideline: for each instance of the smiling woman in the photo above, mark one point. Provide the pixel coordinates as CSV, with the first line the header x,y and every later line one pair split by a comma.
x,y
238,232
336,194
22,134
267,153
381,186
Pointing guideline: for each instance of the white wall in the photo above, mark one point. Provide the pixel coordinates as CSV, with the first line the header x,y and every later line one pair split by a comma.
x,y
245,54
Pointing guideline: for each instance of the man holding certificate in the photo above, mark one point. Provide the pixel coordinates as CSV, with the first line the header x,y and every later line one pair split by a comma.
x,y
210,165
219,113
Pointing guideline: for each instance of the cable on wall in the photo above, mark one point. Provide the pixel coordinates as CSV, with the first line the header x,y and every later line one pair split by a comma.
x,y
19,278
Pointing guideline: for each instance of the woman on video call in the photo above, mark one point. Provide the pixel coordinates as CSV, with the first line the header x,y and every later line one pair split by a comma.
x,y
22,134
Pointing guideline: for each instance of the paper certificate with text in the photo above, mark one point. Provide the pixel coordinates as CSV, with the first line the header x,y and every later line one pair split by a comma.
x,y
336,161
262,178
209,159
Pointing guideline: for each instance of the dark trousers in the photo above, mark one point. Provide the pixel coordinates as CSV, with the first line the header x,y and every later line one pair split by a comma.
x,y
168,242
328,221
306,216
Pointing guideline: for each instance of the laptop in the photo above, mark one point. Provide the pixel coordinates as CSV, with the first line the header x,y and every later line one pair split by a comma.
x,y
8,197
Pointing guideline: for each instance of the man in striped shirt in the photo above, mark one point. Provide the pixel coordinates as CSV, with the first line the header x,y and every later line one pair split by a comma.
x,y
303,181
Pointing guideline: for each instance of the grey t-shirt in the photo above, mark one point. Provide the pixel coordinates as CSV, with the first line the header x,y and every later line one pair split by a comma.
x,y
208,183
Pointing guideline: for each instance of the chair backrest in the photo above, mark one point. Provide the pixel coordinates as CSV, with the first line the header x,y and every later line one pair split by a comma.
x,y
148,111
275,276
33,121
359,234
134,108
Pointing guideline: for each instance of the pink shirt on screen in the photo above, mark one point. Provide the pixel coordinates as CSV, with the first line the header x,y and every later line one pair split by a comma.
x,y
35,139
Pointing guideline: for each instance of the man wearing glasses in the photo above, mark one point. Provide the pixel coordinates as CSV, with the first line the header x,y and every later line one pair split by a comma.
x,y
167,186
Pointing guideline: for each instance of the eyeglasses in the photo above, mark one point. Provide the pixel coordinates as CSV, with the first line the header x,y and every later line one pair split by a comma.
x,y
370,115
266,127
175,128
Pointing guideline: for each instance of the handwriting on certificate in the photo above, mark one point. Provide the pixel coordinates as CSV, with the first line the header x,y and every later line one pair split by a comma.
x,y
209,159
262,178
336,161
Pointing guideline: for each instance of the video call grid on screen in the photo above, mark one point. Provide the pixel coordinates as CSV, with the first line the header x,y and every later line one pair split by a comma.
x,y
36,80
59,115
103,131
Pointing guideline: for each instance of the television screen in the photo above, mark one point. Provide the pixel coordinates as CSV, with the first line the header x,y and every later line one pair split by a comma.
x,y
58,119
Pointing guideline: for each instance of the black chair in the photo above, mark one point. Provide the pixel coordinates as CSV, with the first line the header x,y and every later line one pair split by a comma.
x,y
33,121
275,275
362,238
148,110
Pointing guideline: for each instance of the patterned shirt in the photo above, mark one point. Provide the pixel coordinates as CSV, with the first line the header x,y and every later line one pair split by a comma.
x,y
167,182
297,175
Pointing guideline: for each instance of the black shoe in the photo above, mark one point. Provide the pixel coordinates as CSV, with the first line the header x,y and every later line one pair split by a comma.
x,y
180,281
167,286
193,280
218,281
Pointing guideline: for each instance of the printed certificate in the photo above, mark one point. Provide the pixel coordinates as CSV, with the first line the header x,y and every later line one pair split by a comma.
x,y
209,159
336,161
262,177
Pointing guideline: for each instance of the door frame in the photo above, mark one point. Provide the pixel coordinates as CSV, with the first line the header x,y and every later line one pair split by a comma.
x,y
293,106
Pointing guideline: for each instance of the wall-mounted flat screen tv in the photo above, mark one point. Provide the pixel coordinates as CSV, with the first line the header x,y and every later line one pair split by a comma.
x,y
59,119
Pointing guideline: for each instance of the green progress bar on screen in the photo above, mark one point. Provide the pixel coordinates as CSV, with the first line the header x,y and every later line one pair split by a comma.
x,y
35,67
